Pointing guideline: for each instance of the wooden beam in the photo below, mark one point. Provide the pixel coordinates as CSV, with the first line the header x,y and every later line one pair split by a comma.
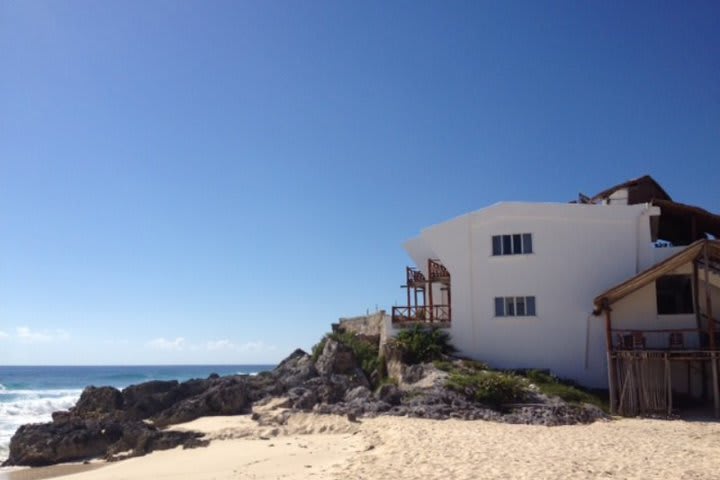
x,y
612,371
430,289
668,372
696,295
708,301
716,388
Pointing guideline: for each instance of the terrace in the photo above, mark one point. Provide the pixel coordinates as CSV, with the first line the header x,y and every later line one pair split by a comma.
x,y
428,299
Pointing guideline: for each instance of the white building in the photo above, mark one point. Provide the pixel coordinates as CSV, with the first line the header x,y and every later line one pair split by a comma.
x,y
519,285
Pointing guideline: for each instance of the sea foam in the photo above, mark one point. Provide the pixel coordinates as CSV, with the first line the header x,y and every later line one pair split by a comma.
x,y
18,407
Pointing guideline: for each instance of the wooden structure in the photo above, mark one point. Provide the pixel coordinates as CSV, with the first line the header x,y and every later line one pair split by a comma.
x,y
678,223
640,378
422,307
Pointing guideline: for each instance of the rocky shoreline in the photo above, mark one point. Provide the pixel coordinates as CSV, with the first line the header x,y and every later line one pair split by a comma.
x,y
111,424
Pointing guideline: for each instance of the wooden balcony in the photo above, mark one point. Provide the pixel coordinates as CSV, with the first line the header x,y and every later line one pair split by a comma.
x,y
435,315
438,272
414,278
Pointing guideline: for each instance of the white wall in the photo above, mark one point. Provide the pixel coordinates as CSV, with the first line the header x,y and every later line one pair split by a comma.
x,y
638,311
579,251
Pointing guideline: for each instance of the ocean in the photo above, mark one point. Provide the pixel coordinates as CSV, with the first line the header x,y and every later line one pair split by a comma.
x,y
31,394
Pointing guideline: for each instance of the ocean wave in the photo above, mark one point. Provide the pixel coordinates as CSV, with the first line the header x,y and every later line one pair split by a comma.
x,y
30,407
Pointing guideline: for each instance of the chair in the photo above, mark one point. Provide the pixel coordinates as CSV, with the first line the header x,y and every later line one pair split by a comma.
x,y
677,341
624,342
638,341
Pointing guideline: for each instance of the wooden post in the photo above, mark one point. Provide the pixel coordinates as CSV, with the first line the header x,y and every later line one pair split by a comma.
x,y
668,373
716,388
430,288
711,332
696,296
708,302
612,372
407,281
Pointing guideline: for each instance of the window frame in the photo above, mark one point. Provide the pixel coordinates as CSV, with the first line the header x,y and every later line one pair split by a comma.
x,y
511,244
510,303
681,305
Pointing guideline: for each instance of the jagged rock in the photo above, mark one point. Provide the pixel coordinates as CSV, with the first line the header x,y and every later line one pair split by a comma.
x,y
140,439
336,358
225,396
48,443
98,401
389,393
358,394
302,398
413,373
147,399
554,415
81,439
294,370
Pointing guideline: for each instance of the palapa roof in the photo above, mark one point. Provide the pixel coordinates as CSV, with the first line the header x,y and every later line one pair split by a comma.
x,y
691,253
682,224
640,190
678,223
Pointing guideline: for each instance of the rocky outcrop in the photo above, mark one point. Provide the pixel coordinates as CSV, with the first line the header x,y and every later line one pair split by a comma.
x,y
98,401
227,396
77,439
336,358
108,423
105,421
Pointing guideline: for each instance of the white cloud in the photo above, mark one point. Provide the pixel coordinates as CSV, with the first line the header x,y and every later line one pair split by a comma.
x,y
3,335
224,344
220,345
164,344
259,346
27,335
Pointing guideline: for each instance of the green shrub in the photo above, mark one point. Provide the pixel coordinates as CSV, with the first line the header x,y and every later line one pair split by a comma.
x,y
418,344
318,348
444,365
366,352
552,387
474,365
490,388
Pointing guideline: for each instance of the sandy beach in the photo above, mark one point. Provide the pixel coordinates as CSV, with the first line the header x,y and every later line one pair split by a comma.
x,y
332,447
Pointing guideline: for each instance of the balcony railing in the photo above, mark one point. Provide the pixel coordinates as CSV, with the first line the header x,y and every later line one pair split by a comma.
x,y
415,278
423,314
437,271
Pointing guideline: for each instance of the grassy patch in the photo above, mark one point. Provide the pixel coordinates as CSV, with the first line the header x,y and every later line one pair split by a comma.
x,y
494,389
460,366
553,387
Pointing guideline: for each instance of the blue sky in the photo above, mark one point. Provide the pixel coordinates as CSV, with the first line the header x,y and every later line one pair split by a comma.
x,y
217,182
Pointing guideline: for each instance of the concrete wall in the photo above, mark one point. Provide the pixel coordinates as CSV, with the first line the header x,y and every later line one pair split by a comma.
x,y
371,325
578,252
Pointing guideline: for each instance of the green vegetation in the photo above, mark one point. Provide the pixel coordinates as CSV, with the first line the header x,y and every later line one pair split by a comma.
x,y
418,344
318,348
553,387
491,388
366,352
495,388
460,366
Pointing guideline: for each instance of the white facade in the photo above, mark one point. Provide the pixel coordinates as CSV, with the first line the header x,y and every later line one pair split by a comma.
x,y
578,251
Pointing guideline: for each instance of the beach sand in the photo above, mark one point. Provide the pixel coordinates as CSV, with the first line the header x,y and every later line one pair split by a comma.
x,y
331,447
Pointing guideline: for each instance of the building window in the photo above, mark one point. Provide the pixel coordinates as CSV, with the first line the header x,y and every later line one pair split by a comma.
x,y
515,306
515,244
674,294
